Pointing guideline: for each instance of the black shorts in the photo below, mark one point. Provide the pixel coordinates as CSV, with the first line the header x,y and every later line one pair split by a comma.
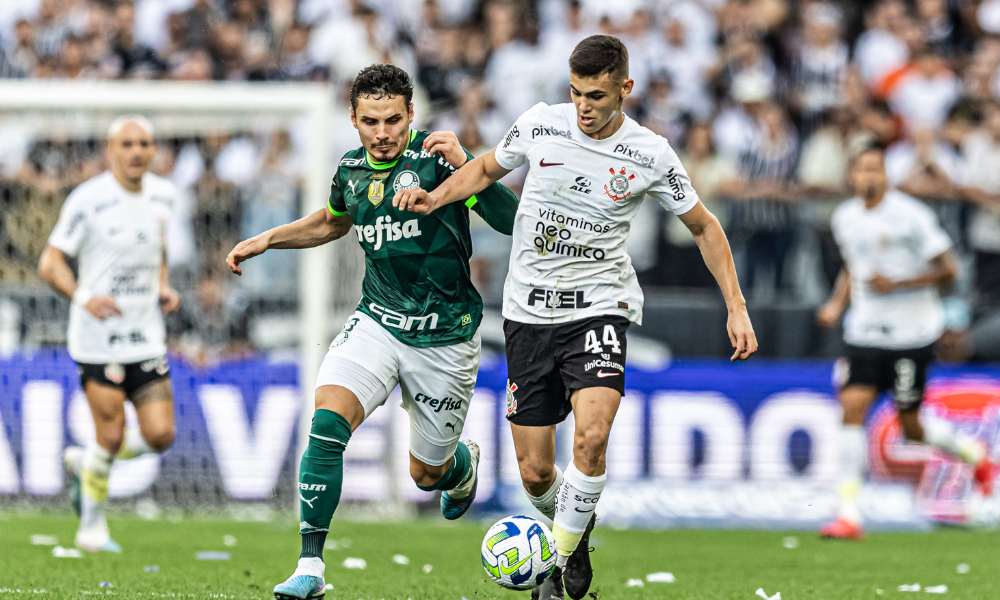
x,y
127,378
903,372
547,363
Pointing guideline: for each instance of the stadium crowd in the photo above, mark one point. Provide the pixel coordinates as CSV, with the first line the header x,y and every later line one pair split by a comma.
x,y
765,101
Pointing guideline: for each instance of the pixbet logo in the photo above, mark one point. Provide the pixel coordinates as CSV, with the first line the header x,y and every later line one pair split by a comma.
x,y
635,155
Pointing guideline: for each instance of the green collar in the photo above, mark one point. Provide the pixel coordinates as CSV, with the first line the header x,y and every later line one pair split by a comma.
x,y
382,166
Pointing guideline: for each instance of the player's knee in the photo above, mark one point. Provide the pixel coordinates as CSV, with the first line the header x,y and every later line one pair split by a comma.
x,y
160,439
111,438
537,477
426,475
590,440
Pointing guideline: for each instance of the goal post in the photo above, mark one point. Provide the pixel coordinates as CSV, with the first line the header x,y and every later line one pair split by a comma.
x,y
87,109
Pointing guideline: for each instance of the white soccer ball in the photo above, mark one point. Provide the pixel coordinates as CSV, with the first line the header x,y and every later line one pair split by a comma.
x,y
519,553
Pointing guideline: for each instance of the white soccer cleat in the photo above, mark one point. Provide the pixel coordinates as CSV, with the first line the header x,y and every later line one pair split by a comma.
x,y
96,539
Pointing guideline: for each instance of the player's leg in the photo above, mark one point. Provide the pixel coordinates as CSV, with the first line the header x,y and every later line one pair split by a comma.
x,y
593,355
152,395
437,385
535,447
107,405
910,368
856,399
346,393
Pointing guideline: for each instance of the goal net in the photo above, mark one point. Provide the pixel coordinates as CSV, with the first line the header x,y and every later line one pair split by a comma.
x,y
244,351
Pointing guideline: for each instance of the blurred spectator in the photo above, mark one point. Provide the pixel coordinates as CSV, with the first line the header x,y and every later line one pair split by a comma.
x,y
763,208
687,67
982,151
819,69
130,58
295,62
881,50
515,74
23,58
923,91
212,323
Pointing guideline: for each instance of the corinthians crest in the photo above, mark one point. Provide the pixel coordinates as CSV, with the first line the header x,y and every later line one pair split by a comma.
x,y
617,187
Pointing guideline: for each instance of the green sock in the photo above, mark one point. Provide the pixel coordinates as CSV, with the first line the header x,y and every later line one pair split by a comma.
x,y
458,472
321,477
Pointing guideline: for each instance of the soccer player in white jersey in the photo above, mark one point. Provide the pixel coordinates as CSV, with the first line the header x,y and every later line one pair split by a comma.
x,y
114,226
896,257
571,291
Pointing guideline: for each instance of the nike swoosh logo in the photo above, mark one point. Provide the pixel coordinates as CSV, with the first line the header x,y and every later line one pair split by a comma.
x,y
581,511
510,569
603,374
542,163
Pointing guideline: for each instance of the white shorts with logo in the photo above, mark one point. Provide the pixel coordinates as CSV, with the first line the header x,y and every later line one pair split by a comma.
x,y
437,383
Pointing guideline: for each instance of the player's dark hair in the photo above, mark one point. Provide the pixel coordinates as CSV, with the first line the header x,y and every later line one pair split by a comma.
x,y
599,54
872,146
382,81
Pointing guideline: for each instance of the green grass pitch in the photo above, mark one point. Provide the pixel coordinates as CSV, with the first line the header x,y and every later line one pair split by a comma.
x,y
716,565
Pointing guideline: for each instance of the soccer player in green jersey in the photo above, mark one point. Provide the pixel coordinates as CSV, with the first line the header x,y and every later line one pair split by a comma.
x,y
416,324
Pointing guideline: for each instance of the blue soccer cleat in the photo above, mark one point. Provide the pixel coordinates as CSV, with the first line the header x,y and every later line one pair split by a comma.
x,y
96,539
300,587
452,508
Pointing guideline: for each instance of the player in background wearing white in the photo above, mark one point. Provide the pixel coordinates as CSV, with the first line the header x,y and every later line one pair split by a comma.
x,y
114,226
896,257
571,291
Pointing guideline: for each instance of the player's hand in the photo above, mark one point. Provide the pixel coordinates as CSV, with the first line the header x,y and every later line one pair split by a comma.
x,y
882,284
828,315
741,334
445,144
103,307
244,251
170,300
416,200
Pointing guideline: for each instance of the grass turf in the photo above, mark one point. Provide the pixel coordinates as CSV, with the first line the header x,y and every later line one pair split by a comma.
x,y
713,565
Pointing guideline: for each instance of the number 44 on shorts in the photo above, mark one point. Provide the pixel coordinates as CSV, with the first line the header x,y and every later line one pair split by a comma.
x,y
610,339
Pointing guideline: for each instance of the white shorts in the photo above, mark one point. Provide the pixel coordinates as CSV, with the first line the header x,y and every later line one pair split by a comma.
x,y
437,383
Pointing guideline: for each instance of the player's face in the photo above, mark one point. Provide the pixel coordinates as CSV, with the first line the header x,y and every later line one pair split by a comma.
x,y
870,181
131,151
598,100
384,125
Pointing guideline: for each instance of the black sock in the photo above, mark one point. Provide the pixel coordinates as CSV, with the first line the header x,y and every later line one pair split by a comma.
x,y
312,544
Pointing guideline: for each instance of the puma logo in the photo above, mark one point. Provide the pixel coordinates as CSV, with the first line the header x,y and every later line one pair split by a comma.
x,y
309,502
452,425
350,182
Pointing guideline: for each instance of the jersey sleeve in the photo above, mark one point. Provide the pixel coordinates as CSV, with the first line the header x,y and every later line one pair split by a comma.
x,y
71,228
512,152
932,237
335,203
671,185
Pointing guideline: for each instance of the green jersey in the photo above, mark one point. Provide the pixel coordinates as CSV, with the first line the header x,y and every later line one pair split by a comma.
x,y
417,282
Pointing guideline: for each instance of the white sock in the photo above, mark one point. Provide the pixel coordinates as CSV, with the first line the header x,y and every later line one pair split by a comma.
x,y
940,434
853,457
577,499
94,486
134,445
546,503
310,565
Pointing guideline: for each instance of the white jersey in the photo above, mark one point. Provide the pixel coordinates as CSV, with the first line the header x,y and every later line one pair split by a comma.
x,y
568,260
118,239
897,239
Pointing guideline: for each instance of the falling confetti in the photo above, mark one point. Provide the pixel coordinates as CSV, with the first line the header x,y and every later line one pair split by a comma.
x,y
399,559
355,563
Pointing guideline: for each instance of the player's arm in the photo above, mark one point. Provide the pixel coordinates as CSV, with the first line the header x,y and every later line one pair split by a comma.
x,y
53,269
170,300
839,300
321,227
943,271
467,181
496,204
714,246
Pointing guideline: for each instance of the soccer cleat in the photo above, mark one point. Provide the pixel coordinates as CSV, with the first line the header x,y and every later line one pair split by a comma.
x,y
453,509
71,458
551,588
842,529
300,587
579,573
984,474
96,539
